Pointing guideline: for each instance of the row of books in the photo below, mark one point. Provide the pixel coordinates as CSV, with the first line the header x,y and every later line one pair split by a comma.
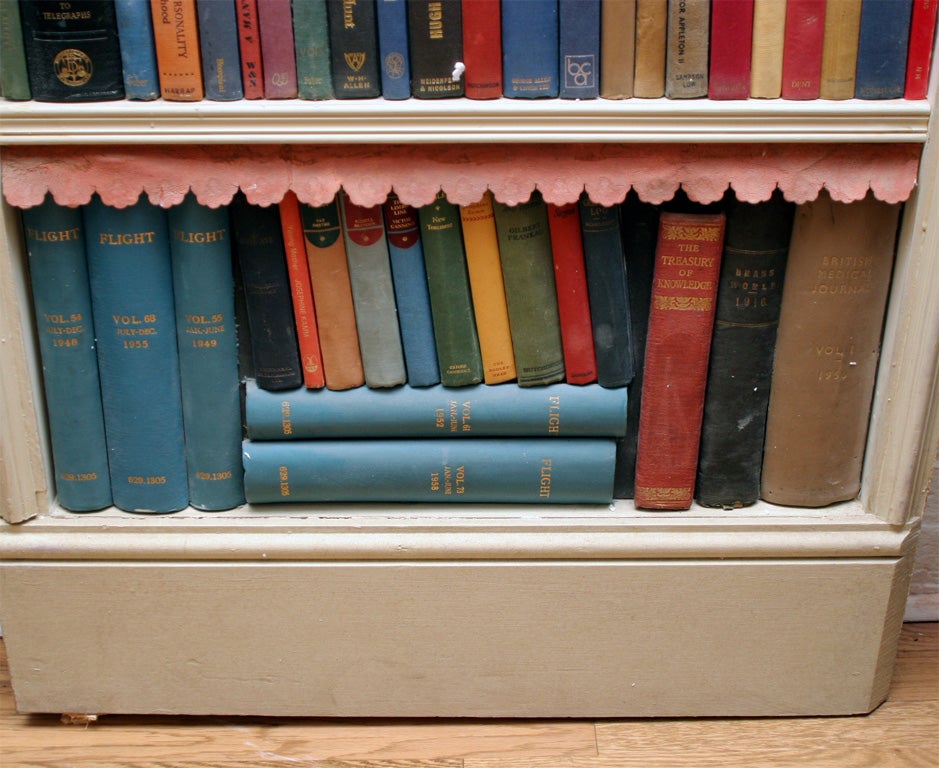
x,y
189,50
138,315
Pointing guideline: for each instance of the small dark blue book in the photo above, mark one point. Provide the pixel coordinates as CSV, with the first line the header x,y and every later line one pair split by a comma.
x,y
393,49
138,55
882,47
579,48
218,44
530,49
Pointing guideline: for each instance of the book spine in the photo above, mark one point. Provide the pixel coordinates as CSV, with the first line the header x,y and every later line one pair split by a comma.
x,y
435,35
530,290
741,365
609,295
827,348
332,296
919,58
376,313
277,49
55,247
482,48
458,350
570,277
72,55
554,411
14,76
731,47
301,292
839,49
530,49
311,41
176,39
131,276
617,48
519,470
138,56
218,46
203,287
353,48
579,48
681,320
249,46
769,29
484,266
882,47
393,49
802,49
686,59
412,296
260,247
651,36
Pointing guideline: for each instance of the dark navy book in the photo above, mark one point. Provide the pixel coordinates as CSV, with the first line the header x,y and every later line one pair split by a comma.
x,y
218,44
435,34
579,49
530,49
353,49
882,47
393,49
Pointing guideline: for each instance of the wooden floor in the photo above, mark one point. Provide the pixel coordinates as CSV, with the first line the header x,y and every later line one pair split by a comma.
x,y
902,732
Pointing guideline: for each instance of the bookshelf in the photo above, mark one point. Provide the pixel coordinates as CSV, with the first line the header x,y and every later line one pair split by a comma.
x,y
472,611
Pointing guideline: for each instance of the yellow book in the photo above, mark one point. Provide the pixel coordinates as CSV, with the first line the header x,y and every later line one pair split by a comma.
x,y
769,29
651,34
839,48
488,289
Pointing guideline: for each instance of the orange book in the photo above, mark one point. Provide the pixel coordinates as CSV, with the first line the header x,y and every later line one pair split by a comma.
x,y
488,289
176,41
301,293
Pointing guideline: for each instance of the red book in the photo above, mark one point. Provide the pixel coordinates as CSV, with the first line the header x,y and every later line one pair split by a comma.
x,y
922,34
482,48
570,278
802,49
249,46
277,50
681,321
731,44
301,293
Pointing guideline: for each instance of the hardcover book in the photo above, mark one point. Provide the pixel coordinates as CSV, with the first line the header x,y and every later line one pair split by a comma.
x,y
131,277
277,49
839,49
482,471
731,47
249,46
802,49
651,35
769,29
827,348
617,48
681,320
14,77
686,61
203,289
176,39
741,364
530,49
73,53
218,45
393,49
353,48
138,55
435,39
311,41
579,54
55,247
919,57
882,48
482,48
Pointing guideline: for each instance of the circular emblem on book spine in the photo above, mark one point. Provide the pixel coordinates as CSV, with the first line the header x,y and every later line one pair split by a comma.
x,y
73,67
394,65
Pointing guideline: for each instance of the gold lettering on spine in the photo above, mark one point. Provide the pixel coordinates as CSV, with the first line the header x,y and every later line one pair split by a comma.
x,y
435,21
545,483
53,236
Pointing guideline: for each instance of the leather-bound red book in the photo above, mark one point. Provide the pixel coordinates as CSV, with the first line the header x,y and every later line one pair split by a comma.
x,y
482,49
922,33
731,45
681,322
249,46
802,49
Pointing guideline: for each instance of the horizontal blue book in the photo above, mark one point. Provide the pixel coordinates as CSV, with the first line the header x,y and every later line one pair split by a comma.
x,y
552,411
218,44
138,54
579,49
530,49
55,245
483,471
393,49
882,48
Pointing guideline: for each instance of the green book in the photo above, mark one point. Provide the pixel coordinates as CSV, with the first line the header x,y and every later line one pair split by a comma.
x,y
451,302
530,292
14,79
311,42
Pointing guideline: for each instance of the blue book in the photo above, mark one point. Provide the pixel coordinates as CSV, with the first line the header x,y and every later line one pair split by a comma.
x,y
55,246
132,300
393,49
138,55
203,286
482,471
411,293
218,44
579,49
530,49
882,48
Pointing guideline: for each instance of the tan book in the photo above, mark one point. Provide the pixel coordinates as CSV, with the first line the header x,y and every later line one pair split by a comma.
x,y
834,299
686,57
176,42
839,48
651,34
617,48
769,29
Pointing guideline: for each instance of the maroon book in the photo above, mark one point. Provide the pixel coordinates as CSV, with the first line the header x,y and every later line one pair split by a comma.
x,y
249,46
731,44
482,48
802,49
277,50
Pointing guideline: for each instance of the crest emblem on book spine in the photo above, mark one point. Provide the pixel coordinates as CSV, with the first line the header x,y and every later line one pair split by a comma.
x,y
355,60
73,67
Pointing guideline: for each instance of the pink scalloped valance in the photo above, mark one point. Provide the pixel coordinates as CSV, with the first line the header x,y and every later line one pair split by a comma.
x,y
119,174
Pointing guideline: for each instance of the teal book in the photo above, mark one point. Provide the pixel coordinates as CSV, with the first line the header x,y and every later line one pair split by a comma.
x,y
311,43
552,411
138,51
132,300
203,285
483,471
14,78
55,247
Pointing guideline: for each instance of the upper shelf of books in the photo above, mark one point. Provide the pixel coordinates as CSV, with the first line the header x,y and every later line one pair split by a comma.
x,y
371,121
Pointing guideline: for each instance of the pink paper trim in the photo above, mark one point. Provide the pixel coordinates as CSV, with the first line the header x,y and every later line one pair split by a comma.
x,y
368,173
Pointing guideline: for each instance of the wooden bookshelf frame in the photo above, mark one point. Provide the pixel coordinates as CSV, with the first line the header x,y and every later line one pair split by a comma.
x,y
496,611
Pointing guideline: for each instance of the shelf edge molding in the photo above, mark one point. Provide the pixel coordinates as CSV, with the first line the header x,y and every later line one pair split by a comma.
x,y
607,172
